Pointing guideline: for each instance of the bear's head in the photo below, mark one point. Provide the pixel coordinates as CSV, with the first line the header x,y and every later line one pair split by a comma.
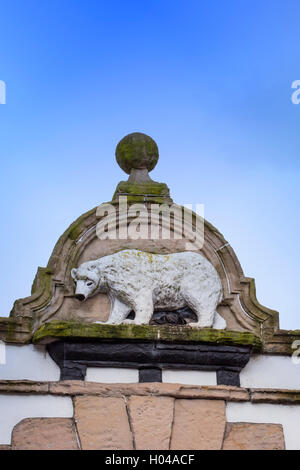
x,y
87,280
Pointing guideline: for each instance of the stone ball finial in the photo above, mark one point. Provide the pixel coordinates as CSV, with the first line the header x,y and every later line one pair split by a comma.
x,y
136,151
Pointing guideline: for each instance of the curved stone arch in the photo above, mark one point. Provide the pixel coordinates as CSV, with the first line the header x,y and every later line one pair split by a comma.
x,y
53,283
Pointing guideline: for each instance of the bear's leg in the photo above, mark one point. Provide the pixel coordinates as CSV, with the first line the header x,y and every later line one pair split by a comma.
x,y
143,308
119,312
203,305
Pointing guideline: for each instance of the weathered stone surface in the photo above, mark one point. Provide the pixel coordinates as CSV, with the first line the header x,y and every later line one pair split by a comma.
x,y
260,395
102,423
23,386
218,392
16,330
93,310
61,330
137,151
4,447
44,434
151,421
79,387
198,425
253,436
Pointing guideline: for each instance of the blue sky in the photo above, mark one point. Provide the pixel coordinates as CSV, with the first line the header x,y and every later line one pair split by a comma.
x,y
209,81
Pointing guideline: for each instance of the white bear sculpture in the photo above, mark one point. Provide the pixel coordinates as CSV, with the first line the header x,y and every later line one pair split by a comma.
x,y
144,282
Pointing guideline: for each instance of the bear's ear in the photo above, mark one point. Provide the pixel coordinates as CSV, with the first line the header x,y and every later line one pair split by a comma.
x,y
74,273
93,267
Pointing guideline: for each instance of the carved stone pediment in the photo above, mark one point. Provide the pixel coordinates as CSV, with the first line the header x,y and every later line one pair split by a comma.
x,y
53,292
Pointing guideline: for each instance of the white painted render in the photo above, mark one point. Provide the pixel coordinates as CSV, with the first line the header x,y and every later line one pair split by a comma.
x,y
287,415
14,408
189,377
264,371
28,362
111,375
118,375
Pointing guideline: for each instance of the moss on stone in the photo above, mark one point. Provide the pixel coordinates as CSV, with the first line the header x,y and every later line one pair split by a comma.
x,y
11,329
143,199
16,330
137,150
288,397
158,189
76,228
150,187
59,330
151,191
42,280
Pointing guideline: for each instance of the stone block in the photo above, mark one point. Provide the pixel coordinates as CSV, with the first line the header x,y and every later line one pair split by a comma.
x,y
102,423
44,434
151,420
198,424
253,436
